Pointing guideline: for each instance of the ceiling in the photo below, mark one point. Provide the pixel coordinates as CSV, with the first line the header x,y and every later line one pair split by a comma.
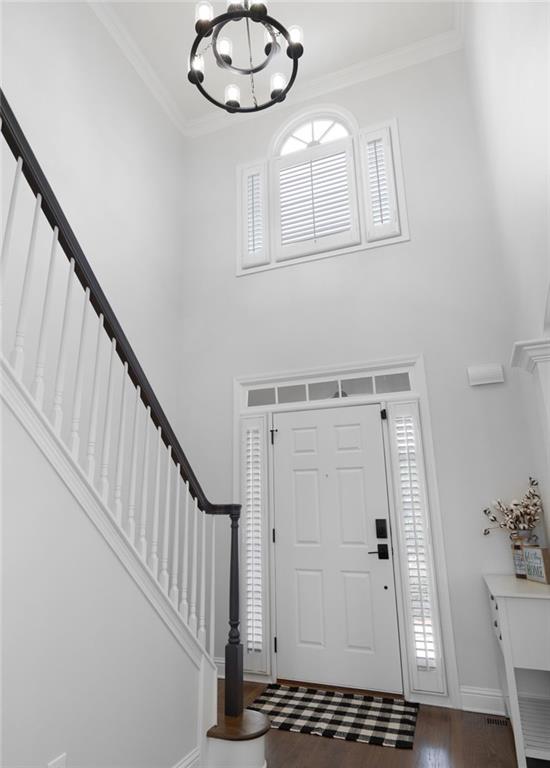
x,y
344,42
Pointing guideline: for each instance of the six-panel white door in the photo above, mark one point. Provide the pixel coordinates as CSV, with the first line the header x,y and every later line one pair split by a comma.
x,y
335,602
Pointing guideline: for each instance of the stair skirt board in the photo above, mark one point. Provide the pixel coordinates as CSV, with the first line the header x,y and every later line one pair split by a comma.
x,y
348,716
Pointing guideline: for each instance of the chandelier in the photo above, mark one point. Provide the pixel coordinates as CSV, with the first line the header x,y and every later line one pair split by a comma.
x,y
275,38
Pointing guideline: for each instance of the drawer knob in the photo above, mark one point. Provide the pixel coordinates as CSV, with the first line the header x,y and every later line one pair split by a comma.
x,y
500,637
492,598
495,623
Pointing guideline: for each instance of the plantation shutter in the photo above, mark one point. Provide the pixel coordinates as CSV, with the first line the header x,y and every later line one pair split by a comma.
x,y
253,499
254,250
382,206
316,200
424,645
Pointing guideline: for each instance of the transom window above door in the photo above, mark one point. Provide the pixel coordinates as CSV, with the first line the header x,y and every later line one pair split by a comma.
x,y
327,188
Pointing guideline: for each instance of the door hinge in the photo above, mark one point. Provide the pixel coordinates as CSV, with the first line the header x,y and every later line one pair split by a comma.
x,y
273,430
383,414
275,644
273,535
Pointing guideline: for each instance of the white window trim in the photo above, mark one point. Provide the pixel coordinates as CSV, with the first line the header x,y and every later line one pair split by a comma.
x,y
419,395
359,148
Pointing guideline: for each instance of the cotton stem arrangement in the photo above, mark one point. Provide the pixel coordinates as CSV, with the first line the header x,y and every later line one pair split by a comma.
x,y
516,516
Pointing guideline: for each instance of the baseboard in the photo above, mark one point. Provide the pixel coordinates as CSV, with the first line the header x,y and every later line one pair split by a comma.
x,y
490,701
249,677
191,760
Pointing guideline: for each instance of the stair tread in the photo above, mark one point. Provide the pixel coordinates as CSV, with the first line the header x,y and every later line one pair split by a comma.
x,y
249,725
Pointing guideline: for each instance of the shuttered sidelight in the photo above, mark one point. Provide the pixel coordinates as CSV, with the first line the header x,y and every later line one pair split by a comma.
x,y
255,213
382,209
423,631
315,201
253,495
253,204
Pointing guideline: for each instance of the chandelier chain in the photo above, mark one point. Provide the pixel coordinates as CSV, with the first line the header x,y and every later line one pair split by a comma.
x,y
252,84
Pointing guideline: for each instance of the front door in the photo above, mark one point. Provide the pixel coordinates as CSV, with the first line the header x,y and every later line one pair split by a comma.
x,y
335,598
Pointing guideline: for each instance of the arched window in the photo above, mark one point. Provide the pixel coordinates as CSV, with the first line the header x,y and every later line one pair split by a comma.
x,y
321,167
312,133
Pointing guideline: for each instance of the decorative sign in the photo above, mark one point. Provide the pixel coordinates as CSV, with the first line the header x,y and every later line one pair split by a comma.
x,y
537,563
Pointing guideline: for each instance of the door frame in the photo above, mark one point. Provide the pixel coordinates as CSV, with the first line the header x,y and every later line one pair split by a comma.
x,y
392,537
414,365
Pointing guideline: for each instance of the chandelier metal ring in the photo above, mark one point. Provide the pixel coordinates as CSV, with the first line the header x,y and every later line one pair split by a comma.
x,y
294,51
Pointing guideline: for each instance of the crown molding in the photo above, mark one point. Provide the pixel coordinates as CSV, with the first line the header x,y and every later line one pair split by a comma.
x,y
114,26
378,66
528,354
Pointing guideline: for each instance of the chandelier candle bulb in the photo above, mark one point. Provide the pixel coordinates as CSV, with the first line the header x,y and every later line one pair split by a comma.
x,y
232,96
204,13
296,34
225,49
233,7
196,70
296,46
268,41
278,84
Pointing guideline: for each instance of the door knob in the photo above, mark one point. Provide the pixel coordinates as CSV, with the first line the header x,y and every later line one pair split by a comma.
x,y
381,551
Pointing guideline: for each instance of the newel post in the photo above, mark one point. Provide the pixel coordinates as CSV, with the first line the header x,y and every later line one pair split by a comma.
x,y
234,649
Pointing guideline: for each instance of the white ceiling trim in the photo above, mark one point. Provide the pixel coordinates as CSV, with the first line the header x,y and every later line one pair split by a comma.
x,y
401,58
139,61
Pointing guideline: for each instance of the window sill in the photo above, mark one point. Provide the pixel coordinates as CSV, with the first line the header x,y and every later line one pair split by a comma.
x,y
241,272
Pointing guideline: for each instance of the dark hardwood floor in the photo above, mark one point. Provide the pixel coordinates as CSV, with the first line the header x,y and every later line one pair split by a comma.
x,y
445,738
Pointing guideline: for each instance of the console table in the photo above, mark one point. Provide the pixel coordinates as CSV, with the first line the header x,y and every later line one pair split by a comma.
x,y
520,615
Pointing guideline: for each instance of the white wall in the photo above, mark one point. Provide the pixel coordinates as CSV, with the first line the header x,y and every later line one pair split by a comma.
x,y
114,161
88,666
508,58
441,295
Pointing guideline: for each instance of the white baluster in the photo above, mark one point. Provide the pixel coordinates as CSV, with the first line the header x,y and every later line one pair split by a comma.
x,y
120,449
131,527
92,432
77,399
164,576
38,384
153,558
18,353
194,573
212,584
174,592
184,605
11,211
144,491
104,471
57,413
202,601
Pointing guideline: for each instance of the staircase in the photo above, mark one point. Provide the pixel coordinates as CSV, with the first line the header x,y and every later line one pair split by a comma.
x,y
72,380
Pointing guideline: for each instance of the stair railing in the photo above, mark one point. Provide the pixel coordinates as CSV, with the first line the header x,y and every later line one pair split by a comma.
x,y
130,455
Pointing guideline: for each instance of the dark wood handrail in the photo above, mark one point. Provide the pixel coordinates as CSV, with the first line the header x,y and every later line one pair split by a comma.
x,y
37,181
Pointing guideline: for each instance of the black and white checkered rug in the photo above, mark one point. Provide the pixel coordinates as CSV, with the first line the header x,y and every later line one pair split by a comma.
x,y
348,716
